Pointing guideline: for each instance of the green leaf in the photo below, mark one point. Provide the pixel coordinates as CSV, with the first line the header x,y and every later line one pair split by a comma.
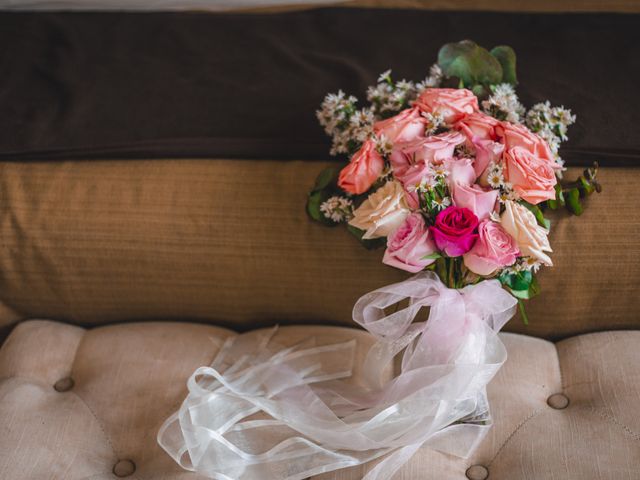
x,y
325,178
507,58
572,199
313,207
432,256
369,244
469,62
559,201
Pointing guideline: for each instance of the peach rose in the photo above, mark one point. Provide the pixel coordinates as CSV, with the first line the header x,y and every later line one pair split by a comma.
x,y
452,103
382,212
406,126
363,170
530,237
513,135
533,178
493,250
481,202
409,244
478,125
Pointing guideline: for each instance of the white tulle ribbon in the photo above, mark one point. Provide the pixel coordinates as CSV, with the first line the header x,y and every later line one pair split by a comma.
x,y
266,412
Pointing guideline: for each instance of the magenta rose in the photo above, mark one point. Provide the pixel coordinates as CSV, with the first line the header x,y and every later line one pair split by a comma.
x,y
409,244
493,250
455,231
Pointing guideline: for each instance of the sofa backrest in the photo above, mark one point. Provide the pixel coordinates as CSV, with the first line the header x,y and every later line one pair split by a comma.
x,y
229,242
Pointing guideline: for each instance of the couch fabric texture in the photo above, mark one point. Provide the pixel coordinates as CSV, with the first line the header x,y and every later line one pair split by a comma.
x,y
229,242
94,400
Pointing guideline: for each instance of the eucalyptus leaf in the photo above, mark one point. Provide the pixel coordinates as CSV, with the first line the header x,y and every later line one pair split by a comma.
x,y
507,58
370,244
313,207
325,178
469,62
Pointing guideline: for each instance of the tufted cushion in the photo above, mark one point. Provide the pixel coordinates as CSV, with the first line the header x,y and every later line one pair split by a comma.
x,y
126,379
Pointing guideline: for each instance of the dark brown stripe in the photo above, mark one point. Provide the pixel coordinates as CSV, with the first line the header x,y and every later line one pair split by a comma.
x,y
105,85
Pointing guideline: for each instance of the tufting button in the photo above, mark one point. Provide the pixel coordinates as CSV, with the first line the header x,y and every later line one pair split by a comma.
x,y
558,401
64,384
477,472
124,468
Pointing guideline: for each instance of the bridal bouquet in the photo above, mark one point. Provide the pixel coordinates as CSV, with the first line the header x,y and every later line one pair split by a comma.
x,y
453,177
453,180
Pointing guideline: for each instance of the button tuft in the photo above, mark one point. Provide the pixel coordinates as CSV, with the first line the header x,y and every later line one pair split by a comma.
x,y
477,472
558,401
64,384
124,468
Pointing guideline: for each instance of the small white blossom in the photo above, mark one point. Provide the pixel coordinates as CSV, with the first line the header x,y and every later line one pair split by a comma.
x,y
503,104
432,80
441,203
434,121
389,97
385,77
384,146
337,209
438,172
551,124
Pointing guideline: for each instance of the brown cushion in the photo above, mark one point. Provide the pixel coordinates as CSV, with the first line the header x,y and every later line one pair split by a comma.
x,y
126,379
229,241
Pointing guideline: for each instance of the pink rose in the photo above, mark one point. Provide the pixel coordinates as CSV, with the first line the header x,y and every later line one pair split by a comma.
x,y
513,135
455,231
461,171
363,170
433,149
478,125
409,244
411,162
487,151
481,202
452,103
532,178
407,126
493,250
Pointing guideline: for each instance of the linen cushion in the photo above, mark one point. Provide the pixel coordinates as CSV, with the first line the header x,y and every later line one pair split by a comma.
x,y
229,242
126,379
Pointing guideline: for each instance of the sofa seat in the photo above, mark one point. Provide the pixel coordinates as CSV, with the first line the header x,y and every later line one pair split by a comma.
x,y
87,404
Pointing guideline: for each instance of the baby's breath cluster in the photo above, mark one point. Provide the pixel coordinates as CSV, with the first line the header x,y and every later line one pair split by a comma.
x,y
388,97
503,104
551,124
338,209
347,125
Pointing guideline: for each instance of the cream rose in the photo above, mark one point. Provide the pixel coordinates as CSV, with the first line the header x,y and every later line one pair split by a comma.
x,y
530,237
382,212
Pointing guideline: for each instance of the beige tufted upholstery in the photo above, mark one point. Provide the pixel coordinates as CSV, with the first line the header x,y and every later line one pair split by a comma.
x,y
126,379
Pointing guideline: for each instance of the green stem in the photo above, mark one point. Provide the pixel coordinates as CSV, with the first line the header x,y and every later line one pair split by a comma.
x,y
523,312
